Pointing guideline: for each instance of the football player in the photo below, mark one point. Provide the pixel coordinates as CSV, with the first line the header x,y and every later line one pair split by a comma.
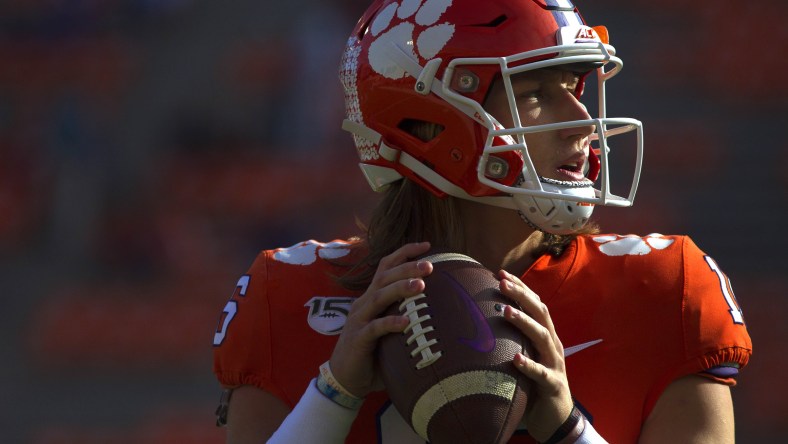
x,y
467,117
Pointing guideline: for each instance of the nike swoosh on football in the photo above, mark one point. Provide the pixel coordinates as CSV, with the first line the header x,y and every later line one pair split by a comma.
x,y
483,341
576,348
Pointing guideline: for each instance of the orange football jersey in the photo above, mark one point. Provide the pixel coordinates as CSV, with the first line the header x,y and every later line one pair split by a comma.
x,y
634,313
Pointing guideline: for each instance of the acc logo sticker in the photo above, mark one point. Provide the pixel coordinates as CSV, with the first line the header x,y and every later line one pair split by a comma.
x,y
327,314
586,34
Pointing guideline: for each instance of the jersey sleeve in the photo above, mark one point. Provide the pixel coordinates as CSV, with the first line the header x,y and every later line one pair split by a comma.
x,y
242,341
283,319
716,337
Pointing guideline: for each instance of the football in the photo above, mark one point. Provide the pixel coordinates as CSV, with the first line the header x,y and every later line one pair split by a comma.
x,y
450,373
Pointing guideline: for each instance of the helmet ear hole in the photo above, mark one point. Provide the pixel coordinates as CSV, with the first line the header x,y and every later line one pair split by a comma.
x,y
421,129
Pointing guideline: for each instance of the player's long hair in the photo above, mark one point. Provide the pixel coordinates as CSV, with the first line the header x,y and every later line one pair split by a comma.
x,y
409,213
406,213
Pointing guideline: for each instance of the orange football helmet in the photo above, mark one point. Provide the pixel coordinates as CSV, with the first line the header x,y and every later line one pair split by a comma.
x,y
434,61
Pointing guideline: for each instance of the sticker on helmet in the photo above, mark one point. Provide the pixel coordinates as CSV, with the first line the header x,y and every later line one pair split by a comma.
x,y
413,27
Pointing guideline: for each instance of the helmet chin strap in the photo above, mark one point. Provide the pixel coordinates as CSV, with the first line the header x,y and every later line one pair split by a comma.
x,y
567,183
555,215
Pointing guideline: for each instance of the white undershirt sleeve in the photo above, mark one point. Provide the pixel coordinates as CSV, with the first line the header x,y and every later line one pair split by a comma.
x,y
315,419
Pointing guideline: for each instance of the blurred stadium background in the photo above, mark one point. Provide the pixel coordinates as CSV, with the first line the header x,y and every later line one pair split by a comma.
x,y
149,150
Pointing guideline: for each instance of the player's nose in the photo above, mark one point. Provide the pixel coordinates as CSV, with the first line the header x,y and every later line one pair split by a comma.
x,y
573,109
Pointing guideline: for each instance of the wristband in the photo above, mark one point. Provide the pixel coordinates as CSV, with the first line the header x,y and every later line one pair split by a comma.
x,y
576,430
570,430
333,390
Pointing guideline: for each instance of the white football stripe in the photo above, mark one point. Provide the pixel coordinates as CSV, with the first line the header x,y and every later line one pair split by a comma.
x,y
480,382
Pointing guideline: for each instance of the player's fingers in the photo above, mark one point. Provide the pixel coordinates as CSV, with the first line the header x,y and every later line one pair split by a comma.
x,y
364,339
352,359
526,298
532,369
540,337
512,287
377,301
395,278
404,271
519,286
385,325
397,266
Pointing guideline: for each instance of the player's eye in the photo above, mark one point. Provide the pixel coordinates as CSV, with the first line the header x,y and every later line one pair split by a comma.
x,y
531,95
571,81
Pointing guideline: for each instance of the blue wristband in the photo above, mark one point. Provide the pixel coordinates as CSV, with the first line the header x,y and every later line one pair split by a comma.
x,y
336,396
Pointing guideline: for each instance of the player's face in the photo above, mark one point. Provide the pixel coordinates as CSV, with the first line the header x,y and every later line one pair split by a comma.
x,y
547,96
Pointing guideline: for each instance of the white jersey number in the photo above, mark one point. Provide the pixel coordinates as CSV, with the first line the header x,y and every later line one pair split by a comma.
x,y
727,291
230,309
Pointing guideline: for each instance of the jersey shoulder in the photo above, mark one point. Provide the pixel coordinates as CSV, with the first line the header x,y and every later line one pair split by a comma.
x,y
284,277
305,265
652,248
271,311
672,274
662,261
618,261
654,261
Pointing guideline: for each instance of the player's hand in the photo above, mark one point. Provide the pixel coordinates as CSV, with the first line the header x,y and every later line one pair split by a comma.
x,y
397,277
550,401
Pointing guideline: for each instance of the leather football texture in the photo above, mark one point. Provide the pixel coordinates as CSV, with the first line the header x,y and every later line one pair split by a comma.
x,y
450,373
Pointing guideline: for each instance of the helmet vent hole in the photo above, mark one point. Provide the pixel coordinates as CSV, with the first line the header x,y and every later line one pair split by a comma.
x,y
421,129
494,23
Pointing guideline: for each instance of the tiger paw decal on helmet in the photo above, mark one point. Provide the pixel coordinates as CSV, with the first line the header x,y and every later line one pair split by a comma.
x,y
412,26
